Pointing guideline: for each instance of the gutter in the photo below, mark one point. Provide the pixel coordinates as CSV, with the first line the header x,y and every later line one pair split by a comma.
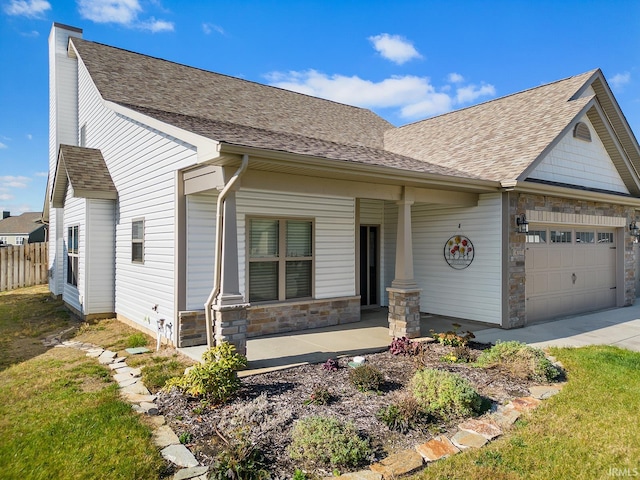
x,y
215,292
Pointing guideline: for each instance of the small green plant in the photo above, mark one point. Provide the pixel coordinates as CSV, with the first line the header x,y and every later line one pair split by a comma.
x,y
444,395
163,369
216,378
460,354
452,338
238,459
327,442
137,340
319,396
299,475
185,437
366,378
401,416
520,360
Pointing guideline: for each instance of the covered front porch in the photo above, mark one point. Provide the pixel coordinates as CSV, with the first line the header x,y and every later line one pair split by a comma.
x,y
369,335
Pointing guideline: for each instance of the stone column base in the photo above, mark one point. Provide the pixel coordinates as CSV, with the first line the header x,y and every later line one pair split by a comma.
x,y
230,325
404,312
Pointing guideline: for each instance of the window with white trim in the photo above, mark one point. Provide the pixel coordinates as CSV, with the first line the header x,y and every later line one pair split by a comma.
x,y
537,236
20,240
3,240
281,259
137,241
560,236
585,237
605,237
73,241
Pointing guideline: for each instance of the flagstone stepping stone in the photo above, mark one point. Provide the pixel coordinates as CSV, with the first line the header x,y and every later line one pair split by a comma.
x,y
192,473
157,421
137,350
149,408
137,397
362,475
107,357
524,404
127,382
465,440
95,352
506,415
437,448
164,436
119,377
398,464
135,372
180,455
542,392
118,366
486,428
137,387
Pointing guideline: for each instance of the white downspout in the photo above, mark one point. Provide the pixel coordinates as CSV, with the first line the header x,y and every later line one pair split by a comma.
x,y
218,254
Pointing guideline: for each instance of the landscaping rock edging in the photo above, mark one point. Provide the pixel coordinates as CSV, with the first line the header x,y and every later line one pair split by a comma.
x,y
133,391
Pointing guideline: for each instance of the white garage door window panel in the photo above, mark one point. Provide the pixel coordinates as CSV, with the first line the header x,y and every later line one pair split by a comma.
x,y
569,278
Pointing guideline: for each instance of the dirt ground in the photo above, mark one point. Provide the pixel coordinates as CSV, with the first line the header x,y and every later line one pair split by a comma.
x,y
272,402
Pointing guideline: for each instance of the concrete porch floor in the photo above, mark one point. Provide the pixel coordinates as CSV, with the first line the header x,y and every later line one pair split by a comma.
x,y
369,335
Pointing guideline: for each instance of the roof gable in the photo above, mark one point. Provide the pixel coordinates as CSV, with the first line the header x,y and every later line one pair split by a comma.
x,y
137,80
25,224
86,171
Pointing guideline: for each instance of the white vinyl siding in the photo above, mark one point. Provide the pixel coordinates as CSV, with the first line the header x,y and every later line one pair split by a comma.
x,y
201,240
473,293
371,212
576,162
334,224
74,215
143,164
100,255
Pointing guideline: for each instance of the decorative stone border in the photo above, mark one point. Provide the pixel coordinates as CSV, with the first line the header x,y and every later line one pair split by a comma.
x,y
143,402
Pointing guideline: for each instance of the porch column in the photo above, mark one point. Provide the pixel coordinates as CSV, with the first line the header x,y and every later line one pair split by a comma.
x,y
404,294
230,311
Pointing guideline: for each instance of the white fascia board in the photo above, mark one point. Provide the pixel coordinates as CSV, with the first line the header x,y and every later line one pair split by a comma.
x,y
206,148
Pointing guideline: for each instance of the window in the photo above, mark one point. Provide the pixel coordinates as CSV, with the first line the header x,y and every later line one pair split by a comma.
x,y
537,236
280,259
19,240
137,241
558,236
585,237
3,240
72,255
605,237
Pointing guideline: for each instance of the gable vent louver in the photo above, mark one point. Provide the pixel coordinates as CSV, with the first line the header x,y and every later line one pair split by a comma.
x,y
582,132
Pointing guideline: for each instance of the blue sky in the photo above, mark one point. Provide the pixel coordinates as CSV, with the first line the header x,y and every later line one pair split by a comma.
x,y
405,60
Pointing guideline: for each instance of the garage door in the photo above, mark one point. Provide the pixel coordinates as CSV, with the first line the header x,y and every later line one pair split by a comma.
x,y
569,271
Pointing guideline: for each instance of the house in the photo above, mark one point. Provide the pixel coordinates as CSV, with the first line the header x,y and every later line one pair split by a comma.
x,y
22,229
212,208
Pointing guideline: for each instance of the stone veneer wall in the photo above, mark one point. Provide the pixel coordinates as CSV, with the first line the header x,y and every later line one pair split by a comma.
x,y
294,316
404,313
192,328
519,203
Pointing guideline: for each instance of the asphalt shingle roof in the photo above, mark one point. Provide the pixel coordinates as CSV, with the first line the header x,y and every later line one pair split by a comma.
x,y
87,170
496,140
25,223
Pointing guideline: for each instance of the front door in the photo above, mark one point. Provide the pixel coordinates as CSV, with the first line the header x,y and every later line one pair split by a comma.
x,y
369,270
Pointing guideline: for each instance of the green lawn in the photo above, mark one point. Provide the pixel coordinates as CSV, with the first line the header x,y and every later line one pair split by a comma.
x,y
60,412
588,431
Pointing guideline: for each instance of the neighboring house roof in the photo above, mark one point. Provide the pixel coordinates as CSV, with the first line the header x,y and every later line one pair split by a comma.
x,y
130,78
24,224
86,171
503,138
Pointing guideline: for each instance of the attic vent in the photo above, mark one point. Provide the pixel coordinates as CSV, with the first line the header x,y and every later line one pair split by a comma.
x,y
582,132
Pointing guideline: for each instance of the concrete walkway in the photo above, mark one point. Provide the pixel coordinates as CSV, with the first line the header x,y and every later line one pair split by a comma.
x,y
620,327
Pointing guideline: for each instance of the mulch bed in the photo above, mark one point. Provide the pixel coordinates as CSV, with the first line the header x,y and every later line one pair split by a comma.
x,y
271,403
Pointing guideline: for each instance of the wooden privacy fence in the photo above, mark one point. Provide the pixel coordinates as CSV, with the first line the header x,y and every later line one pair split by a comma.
x,y
23,265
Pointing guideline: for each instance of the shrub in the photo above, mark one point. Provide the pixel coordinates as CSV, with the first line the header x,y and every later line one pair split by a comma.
x,y
136,340
452,338
444,395
402,415
216,378
330,365
319,396
238,459
404,346
366,378
327,442
460,354
520,360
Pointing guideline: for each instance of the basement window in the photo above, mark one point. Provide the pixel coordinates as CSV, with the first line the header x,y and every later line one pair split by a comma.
x,y
581,131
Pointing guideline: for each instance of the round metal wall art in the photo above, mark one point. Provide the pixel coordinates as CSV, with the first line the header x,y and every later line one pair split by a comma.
x,y
459,252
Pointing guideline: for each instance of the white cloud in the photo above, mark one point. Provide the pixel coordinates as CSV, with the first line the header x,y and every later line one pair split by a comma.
x,y
455,78
394,48
471,93
620,79
27,8
13,181
31,34
2,145
41,174
209,28
414,97
6,196
121,12
29,136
